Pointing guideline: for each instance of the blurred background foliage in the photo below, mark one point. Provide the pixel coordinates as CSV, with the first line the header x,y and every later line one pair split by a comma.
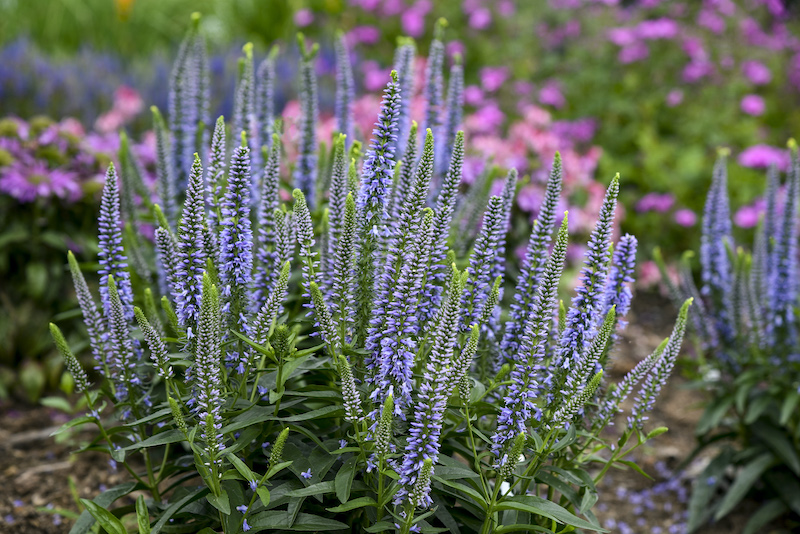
x,y
647,88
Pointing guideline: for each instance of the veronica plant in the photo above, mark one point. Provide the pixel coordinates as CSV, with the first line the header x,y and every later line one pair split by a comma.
x,y
747,327
237,411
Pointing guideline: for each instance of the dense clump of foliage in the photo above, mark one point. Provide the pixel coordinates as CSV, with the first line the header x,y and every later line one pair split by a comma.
x,y
747,326
409,397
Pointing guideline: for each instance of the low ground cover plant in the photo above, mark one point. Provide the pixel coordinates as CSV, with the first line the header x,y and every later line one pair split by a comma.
x,y
747,326
330,363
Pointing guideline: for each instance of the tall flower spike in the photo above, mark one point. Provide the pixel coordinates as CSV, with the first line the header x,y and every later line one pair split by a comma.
x,y
236,237
443,216
393,330
620,276
659,375
581,325
268,261
244,111
165,170
305,172
265,96
338,192
404,56
191,249
424,440
91,318
507,195
121,363
73,366
184,99
532,267
383,439
276,456
272,308
769,234
350,395
207,373
453,116
405,174
781,328
323,314
343,270
618,393
215,176
402,234
158,349
482,261
519,404
463,361
168,256
345,89
376,181
716,269
433,79
112,256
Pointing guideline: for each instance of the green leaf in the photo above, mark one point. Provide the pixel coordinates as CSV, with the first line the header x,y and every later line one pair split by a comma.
x,y
450,469
319,488
170,436
263,494
86,521
789,405
477,497
518,528
176,507
107,520
281,520
352,505
568,439
772,509
82,420
221,503
656,432
59,403
344,479
259,348
635,467
273,469
757,407
778,442
240,466
713,414
542,507
383,526
703,491
142,515
744,481
289,367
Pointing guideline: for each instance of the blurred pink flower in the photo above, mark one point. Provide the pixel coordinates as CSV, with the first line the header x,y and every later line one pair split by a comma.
x,y
649,274
674,97
523,88
365,35
492,78
710,20
747,216
622,36
303,17
756,72
762,156
473,95
128,101
662,28
391,8
488,118
753,105
657,202
506,8
480,19
632,53
375,77
685,217
529,198
27,183
550,94
413,18
725,7
695,71
694,49
71,126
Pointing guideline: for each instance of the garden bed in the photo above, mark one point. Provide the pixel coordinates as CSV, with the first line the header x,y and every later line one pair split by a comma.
x,y
36,469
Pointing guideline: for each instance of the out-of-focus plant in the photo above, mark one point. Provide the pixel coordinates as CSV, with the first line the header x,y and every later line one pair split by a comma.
x,y
747,326
50,178
413,400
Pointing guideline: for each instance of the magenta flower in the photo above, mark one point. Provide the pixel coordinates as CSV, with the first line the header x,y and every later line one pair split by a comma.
x,y
413,19
506,8
747,216
711,20
696,70
622,36
551,95
655,202
492,78
756,72
473,95
762,156
480,19
28,183
685,217
364,34
303,17
632,53
753,105
674,97
662,28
